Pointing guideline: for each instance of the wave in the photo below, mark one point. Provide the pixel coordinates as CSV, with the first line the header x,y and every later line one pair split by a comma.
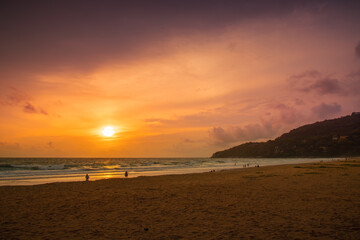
x,y
100,164
85,166
89,164
8,167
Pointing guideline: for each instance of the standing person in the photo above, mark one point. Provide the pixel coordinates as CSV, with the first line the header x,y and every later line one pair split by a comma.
x,y
87,177
126,174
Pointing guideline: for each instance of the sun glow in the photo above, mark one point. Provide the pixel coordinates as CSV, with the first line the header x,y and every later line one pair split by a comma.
x,y
108,131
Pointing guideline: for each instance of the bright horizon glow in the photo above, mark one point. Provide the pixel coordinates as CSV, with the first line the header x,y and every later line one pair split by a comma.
x,y
108,131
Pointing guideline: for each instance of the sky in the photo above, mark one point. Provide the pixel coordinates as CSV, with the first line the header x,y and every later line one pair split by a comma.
x,y
172,78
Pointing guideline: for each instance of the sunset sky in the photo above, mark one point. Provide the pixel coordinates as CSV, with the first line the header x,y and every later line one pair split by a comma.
x,y
173,78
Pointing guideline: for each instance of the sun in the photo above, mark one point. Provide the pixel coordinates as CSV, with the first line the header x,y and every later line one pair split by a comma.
x,y
108,131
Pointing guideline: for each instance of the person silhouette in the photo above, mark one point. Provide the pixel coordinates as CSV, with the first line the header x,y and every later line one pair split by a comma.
x,y
87,177
126,174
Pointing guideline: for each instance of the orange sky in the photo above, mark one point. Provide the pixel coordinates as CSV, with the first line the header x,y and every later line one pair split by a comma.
x,y
172,83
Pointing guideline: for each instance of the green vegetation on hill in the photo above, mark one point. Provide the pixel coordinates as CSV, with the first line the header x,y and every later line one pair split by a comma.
x,y
329,138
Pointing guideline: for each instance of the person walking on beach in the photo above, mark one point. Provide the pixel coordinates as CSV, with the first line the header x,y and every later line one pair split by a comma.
x,y
126,174
87,177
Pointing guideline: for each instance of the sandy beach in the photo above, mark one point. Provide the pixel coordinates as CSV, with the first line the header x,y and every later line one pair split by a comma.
x,y
301,201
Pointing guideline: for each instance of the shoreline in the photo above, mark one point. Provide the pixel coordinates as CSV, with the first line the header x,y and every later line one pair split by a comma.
x,y
51,176
295,201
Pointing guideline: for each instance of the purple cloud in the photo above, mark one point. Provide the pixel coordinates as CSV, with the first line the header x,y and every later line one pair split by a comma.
x,y
29,108
353,83
299,101
326,86
287,114
43,36
357,50
222,137
327,110
13,97
314,81
93,33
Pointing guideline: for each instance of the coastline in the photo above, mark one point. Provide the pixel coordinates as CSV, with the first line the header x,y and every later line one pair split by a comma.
x,y
317,200
36,171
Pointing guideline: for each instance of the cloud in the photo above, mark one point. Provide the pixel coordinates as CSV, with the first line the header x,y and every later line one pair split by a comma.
x,y
224,136
299,102
92,34
220,136
357,50
51,36
353,83
287,114
327,110
326,86
13,97
29,108
314,81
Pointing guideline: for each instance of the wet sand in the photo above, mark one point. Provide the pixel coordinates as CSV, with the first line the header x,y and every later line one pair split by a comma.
x,y
301,201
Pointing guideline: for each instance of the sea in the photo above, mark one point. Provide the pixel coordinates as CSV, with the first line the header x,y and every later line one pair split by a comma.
x,y
33,171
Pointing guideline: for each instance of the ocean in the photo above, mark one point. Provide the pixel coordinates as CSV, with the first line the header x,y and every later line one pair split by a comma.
x,y
32,171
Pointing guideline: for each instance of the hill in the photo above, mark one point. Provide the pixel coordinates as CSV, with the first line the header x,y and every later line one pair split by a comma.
x,y
329,138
